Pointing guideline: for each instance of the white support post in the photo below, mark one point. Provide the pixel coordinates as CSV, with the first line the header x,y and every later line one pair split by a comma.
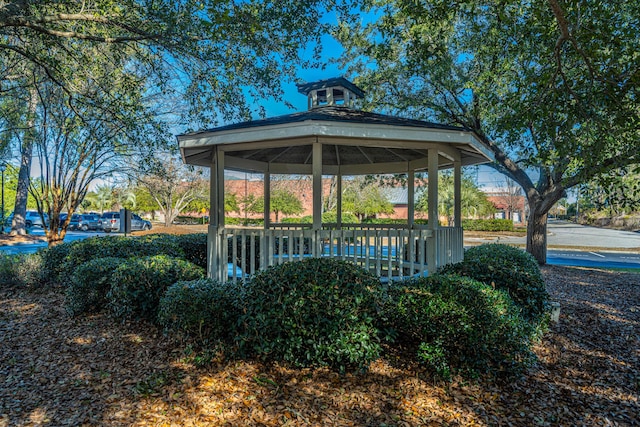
x,y
411,186
457,193
213,240
432,188
317,185
220,182
267,199
339,199
265,241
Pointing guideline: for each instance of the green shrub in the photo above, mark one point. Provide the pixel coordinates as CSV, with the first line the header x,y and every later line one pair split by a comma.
x,y
256,222
187,219
509,268
458,325
194,247
89,285
53,259
420,221
21,270
138,283
330,217
116,246
204,309
487,224
315,312
7,275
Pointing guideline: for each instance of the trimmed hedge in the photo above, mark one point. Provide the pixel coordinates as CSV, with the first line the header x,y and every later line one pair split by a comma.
x,y
204,309
508,268
230,220
70,257
458,325
315,312
194,247
327,218
138,284
89,285
487,224
420,221
53,259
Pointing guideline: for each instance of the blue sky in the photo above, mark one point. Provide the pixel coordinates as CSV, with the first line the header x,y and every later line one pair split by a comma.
x,y
486,177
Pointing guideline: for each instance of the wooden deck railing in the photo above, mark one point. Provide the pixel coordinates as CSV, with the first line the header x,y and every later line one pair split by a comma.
x,y
389,251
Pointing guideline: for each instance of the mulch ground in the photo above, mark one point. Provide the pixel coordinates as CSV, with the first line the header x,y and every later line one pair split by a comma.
x,y
59,371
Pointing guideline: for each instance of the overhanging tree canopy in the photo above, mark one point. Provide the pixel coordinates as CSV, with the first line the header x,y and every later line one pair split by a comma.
x,y
551,87
184,61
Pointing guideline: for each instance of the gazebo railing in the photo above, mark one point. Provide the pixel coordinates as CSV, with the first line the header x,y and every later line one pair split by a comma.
x,y
390,251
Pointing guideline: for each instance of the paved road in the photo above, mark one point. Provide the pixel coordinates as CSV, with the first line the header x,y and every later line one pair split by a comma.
x,y
566,235
610,248
562,233
29,248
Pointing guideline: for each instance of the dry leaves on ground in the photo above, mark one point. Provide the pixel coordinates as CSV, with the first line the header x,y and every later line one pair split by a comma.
x,y
93,371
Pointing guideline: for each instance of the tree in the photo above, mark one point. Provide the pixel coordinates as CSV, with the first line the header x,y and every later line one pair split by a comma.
x,y
281,201
188,61
74,149
550,87
205,49
473,202
21,122
363,198
173,186
10,184
104,197
509,194
126,198
144,201
616,192
285,202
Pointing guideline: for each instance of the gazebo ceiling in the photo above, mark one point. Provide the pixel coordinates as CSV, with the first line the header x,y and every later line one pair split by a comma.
x,y
353,142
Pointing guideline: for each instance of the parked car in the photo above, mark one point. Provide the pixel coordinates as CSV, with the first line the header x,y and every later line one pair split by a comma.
x,y
31,219
110,221
84,222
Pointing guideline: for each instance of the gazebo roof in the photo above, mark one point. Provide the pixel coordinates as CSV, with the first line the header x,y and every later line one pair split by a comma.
x,y
353,142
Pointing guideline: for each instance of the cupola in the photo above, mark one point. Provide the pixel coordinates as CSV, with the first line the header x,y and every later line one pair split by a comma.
x,y
331,92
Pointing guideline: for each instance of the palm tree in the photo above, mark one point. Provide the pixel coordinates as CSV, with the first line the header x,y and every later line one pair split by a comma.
x,y
104,197
473,201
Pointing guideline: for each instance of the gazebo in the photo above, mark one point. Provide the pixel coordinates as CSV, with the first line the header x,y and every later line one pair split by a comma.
x,y
332,138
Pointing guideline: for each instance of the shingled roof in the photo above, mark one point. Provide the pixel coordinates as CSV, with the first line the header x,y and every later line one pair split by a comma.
x,y
332,114
353,141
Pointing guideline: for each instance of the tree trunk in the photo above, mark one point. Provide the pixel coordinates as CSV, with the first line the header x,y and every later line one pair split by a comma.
x,y
539,207
22,191
55,237
537,234
24,175
168,216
